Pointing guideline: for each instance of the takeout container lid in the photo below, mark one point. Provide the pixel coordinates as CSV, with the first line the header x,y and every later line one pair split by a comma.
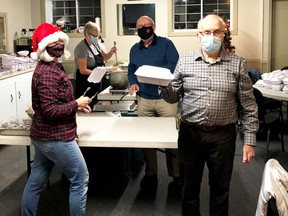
x,y
278,87
154,75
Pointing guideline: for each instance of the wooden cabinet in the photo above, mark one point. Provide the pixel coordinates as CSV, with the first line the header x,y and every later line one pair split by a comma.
x,y
15,96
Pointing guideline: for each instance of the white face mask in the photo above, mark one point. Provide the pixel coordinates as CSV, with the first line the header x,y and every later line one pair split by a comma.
x,y
210,44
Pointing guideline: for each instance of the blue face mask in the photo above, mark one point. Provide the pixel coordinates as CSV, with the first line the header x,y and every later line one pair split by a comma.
x,y
211,44
93,40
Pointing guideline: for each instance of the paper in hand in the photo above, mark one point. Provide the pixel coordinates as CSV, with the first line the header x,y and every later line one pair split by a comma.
x,y
97,74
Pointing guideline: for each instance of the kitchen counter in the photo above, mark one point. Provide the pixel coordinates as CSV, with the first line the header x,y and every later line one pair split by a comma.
x,y
4,74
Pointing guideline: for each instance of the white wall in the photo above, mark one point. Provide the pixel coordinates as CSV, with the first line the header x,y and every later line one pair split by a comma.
x,y
18,17
248,41
37,13
279,51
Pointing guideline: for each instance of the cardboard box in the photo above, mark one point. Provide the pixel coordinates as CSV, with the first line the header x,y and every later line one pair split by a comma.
x,y
154,75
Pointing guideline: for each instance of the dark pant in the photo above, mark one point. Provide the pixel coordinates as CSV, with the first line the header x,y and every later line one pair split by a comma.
x,y
216,148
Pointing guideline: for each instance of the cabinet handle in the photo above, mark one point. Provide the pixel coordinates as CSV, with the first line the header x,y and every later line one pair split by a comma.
x,y
19,93
11,98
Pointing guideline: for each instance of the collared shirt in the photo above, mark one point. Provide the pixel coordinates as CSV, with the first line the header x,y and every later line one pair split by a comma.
x,y
53,103
213,93
154,42
161,53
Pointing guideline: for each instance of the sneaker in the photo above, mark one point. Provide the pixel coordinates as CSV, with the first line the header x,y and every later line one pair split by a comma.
x,y
149,182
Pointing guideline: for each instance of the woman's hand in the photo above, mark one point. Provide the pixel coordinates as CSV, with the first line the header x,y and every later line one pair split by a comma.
x,y
113,49
83,104
83,101
108,55
85,109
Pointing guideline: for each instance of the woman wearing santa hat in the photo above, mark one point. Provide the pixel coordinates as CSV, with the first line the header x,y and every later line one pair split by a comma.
x,y
53,129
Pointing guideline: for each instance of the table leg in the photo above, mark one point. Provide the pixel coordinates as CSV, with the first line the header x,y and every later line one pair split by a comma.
x,y
28,156
166,152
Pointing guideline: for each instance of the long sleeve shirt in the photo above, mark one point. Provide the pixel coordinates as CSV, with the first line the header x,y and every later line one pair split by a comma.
x,y
217,93
53,103
161,53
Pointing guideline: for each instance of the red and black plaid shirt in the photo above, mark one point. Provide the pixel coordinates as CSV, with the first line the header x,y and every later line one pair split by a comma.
x,y
53,103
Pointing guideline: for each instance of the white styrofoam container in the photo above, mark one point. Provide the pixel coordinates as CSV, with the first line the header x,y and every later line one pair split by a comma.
x,y
154,75
278,87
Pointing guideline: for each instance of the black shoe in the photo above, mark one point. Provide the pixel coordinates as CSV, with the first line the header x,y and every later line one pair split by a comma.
x,y
149,182
176,184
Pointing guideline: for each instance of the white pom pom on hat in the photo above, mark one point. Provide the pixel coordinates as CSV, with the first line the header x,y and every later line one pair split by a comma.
x,y
45,34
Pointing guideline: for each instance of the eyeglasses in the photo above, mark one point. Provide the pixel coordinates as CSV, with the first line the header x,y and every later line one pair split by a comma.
x,y
94,35
217,33
147,26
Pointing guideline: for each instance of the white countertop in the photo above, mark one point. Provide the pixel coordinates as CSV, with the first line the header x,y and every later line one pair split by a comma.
x,y
124,132
270,93
9,73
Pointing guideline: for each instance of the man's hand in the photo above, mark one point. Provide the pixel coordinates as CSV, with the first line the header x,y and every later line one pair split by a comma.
x,y
134,88
248,153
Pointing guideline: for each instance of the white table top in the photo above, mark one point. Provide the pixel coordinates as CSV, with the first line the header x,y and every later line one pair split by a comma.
x,y
134,132
124,132
15,140
107,96
270,93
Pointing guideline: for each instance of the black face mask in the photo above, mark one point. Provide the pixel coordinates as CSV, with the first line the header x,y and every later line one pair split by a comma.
x,y
145,32
56,50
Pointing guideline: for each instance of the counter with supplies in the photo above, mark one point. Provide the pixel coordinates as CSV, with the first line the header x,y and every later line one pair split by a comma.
x,y
116,100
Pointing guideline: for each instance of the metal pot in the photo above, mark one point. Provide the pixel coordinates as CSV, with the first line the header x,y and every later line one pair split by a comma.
x,y
119,79
123,66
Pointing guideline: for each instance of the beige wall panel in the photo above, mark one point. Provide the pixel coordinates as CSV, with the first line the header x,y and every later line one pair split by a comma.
x,y
279,49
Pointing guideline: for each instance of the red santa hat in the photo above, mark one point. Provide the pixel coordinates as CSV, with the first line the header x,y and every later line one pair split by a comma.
x,y
43,35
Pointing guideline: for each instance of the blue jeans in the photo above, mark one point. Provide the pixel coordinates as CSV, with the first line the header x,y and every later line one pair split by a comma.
x,y
68,158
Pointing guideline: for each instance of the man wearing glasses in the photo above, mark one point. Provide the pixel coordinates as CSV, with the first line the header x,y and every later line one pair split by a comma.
x,y
213,85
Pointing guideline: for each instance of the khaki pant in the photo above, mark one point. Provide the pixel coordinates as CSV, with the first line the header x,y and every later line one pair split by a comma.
x,y
158,108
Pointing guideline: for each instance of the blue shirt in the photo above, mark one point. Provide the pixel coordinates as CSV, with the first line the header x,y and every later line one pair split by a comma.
x,y
161,53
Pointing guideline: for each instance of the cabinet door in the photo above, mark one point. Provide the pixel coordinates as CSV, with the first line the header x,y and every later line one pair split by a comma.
x,y
23,93
8,101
